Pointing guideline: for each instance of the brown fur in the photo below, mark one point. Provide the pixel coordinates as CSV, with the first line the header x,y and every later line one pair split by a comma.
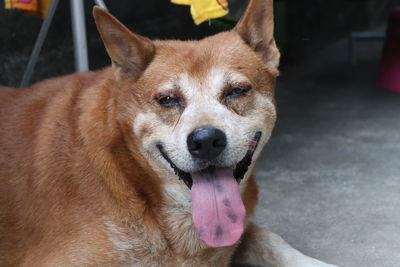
x,y
65,166
75,188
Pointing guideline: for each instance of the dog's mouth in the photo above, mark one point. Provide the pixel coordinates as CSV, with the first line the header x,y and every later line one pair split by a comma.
x,y
218,211
239,171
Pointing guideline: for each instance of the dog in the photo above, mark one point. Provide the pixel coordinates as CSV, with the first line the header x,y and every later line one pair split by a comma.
x,y
147,162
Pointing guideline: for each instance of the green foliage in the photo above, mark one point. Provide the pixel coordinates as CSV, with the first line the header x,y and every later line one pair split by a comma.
x,y
224,24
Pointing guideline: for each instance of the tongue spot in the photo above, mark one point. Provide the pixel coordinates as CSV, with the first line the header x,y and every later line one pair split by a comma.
x,y
226,202
219,232
232,216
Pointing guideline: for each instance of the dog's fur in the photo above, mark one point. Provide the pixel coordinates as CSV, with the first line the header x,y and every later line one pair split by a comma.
x,y
82,182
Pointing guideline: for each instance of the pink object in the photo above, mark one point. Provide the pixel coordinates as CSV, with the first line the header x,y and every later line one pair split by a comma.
x,y
217,207
389,71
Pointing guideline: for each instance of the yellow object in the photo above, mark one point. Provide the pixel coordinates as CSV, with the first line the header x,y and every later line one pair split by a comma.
x,y
31,7
202,10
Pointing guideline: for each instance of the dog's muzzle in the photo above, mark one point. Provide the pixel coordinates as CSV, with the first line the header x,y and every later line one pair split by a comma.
x,y
208,138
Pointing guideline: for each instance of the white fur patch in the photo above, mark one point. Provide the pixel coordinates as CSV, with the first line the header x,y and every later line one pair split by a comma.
x,y
124,245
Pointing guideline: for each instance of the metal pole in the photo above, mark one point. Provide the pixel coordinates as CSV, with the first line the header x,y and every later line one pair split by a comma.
x,y
101,4
79,35
38,44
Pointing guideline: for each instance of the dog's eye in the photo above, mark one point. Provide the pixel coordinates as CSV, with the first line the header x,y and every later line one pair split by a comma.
x,y
237,91
168,100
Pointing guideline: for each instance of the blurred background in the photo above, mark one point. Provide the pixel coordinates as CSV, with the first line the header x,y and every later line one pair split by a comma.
x,y
330,176
302,28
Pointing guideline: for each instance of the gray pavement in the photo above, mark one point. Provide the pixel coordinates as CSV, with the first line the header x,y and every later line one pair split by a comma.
x,y
330,176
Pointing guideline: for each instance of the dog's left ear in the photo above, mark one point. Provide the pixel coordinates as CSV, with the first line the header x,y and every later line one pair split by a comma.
x,y
256,27
130,53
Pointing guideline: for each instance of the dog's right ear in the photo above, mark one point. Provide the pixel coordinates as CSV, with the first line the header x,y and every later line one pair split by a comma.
x,y
130,53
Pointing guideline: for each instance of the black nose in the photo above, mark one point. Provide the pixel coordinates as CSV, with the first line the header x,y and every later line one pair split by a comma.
x,y
206,142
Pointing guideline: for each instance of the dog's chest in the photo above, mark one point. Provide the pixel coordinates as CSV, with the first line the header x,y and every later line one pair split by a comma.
x,y
176,246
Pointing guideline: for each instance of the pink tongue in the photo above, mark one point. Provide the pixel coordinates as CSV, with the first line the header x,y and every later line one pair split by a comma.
x,y
217,208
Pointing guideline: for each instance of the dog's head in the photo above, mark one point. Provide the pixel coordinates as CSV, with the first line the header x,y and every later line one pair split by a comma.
x,y
200,110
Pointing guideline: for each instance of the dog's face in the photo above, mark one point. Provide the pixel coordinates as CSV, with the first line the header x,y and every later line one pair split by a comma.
x,y
200,110
205,102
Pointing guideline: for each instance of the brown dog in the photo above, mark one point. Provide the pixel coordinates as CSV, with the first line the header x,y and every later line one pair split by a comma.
x,y
146,163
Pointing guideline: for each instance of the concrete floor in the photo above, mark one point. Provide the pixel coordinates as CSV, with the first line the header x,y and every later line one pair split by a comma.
x,y
330,176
